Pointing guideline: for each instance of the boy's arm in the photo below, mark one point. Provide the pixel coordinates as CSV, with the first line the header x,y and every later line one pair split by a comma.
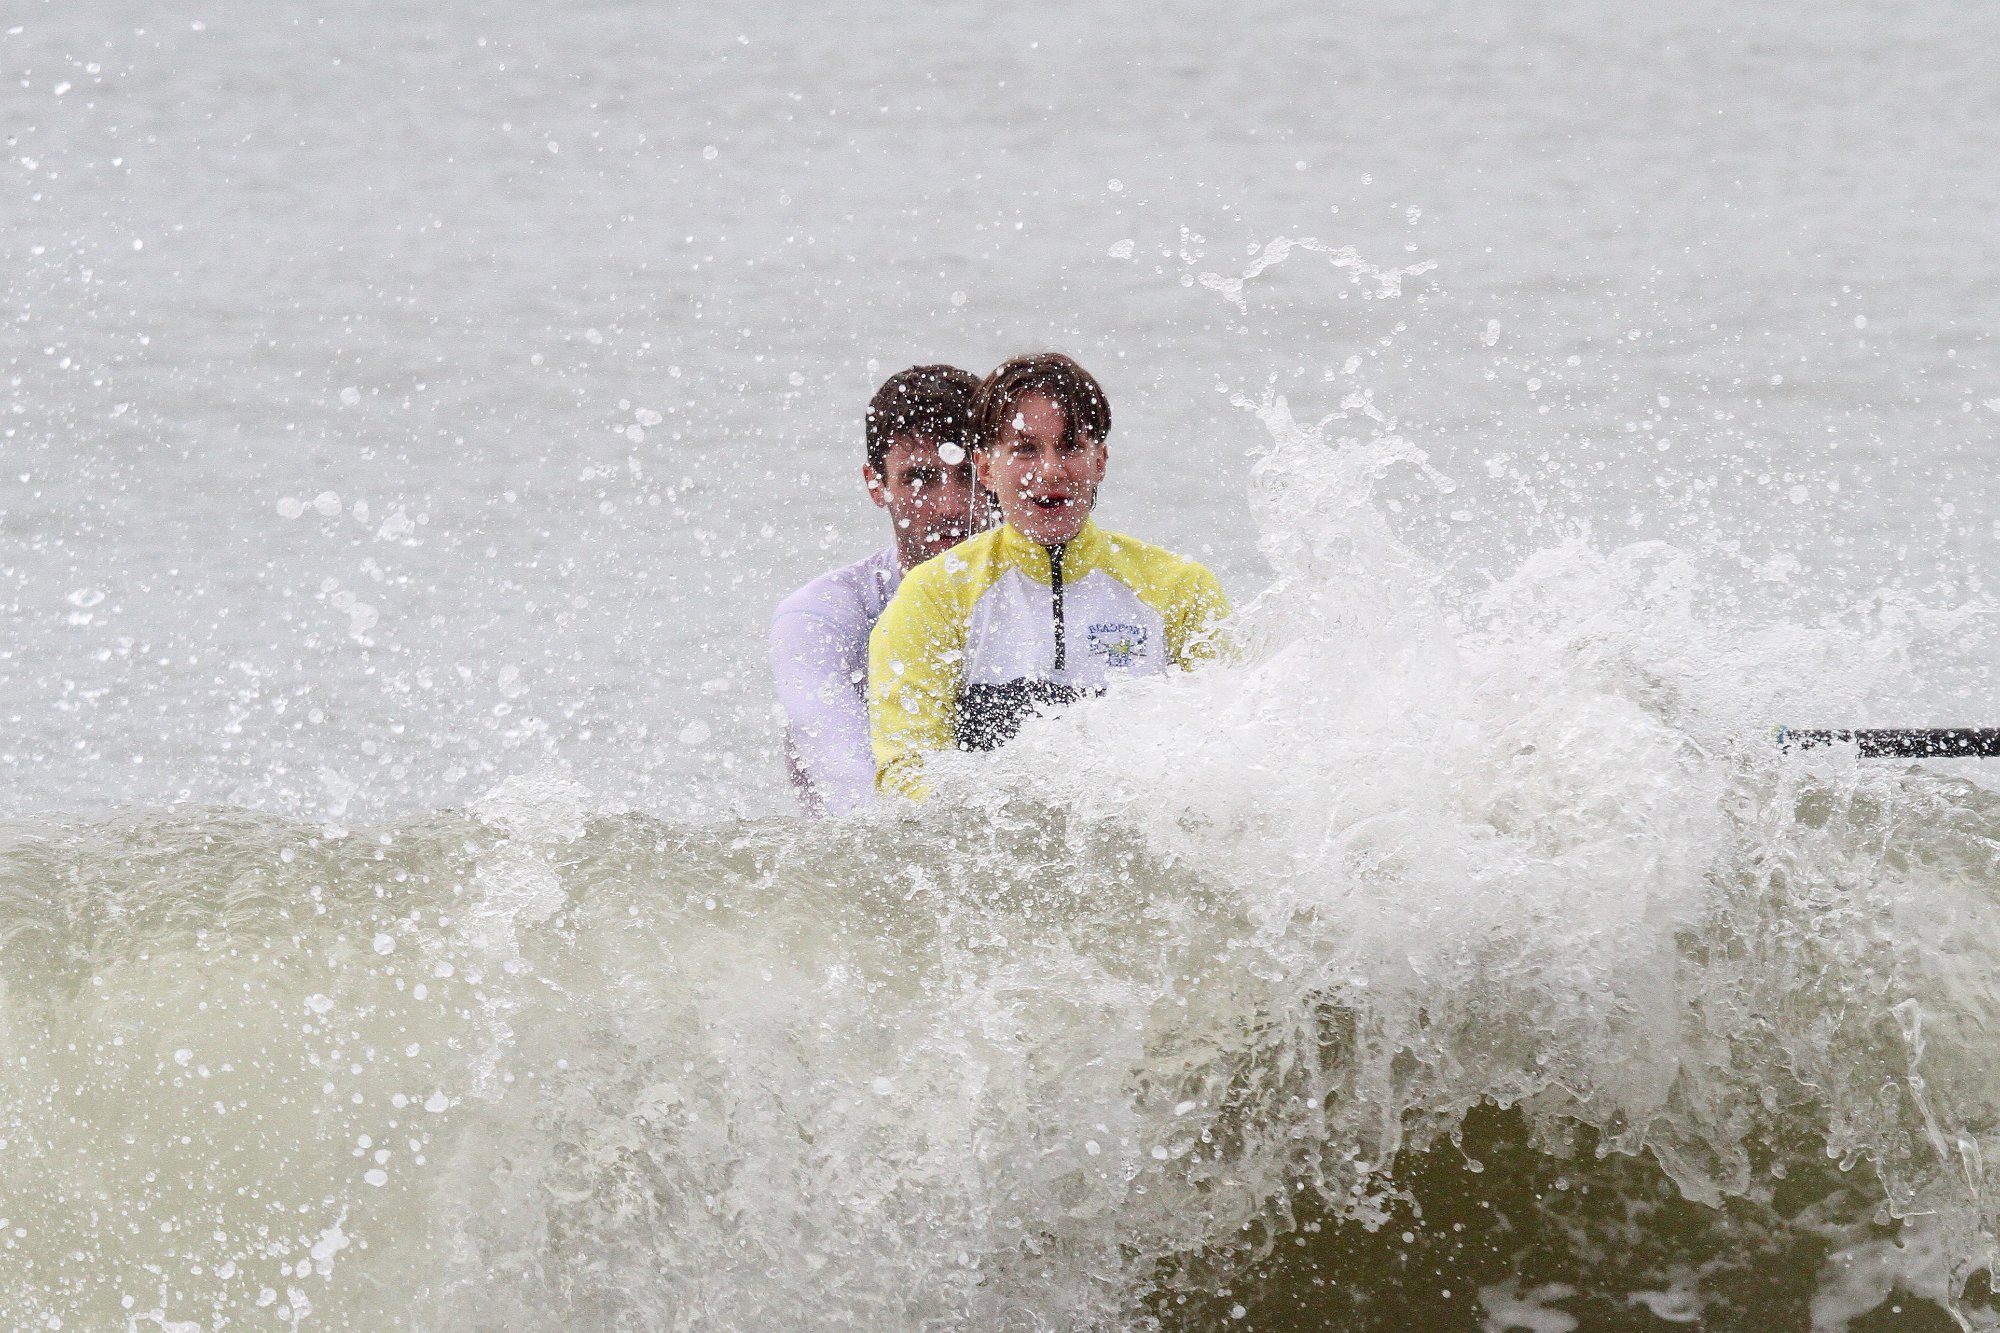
x,y
814,659
1194,619
914,657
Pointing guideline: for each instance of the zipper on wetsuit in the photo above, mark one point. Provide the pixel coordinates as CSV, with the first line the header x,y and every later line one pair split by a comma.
x,y
1056,600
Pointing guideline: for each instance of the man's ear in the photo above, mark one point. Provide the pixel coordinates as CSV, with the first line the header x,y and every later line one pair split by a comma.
x,y
982,460
873,481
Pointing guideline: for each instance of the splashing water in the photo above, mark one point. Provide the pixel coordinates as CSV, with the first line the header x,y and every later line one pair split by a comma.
x,y
1440,958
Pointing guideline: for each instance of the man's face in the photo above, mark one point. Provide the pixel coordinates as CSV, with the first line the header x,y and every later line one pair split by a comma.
x,y
1045,488
928,493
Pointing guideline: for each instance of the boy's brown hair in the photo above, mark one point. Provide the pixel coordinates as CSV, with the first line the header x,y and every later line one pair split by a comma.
x,y
1085,409
938,403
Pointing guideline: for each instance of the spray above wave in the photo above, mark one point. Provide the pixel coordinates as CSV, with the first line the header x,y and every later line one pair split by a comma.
x,y
1170,978
1532,848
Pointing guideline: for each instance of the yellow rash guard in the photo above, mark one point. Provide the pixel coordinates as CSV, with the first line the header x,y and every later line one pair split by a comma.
x,y
998,626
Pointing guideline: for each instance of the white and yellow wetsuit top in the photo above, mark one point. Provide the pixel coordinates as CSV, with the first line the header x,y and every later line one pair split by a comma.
x,y
998,626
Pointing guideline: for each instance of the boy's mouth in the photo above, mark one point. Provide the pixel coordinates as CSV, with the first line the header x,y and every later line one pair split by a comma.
x,y
1050,501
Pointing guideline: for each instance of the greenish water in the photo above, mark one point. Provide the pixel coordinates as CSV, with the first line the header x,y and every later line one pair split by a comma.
x,y
999,1064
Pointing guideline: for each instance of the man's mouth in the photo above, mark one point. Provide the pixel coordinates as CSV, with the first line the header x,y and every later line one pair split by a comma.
x,y
1050,501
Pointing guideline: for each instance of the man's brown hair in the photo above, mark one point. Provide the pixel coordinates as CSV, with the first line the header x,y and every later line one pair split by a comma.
x,y
938,403
1057,378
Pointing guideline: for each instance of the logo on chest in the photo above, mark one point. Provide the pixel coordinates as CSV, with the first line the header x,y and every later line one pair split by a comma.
x,y
1118,644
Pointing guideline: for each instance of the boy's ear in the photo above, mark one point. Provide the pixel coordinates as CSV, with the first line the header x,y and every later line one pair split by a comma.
x,y
873,481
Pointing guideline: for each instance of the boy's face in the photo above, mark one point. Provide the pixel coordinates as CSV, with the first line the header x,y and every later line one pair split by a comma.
x,y
1046,488
927,490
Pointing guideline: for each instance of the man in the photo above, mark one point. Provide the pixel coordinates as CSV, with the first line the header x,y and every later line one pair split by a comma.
x,y
1040,610
919,429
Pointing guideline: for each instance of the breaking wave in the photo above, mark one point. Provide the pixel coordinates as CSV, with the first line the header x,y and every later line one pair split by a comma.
x,y
1443,960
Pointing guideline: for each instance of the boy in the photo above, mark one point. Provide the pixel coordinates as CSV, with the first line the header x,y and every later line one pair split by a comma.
x,y
1042,609
919,434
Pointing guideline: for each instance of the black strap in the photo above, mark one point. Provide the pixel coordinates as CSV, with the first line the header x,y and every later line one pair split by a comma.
x,y
1901,742
989,715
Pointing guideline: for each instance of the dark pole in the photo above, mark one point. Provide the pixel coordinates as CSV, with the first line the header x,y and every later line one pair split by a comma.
x,y
1901,742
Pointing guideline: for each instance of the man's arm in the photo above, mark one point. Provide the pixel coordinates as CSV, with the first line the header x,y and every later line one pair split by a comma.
x,y
815,659
914,672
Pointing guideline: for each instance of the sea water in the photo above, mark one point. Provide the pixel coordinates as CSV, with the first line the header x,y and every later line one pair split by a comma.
x,y
410,417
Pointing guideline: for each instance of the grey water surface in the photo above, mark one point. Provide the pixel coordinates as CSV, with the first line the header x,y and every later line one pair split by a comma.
x,y
401,397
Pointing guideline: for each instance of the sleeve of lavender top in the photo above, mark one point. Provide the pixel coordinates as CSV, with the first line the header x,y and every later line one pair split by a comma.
x,y
819,658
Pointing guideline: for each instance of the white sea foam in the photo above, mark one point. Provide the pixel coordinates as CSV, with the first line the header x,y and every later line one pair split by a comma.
x,y
1177,979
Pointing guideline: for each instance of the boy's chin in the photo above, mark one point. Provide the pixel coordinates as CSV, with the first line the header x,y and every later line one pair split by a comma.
x,y
1052,528
938,545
